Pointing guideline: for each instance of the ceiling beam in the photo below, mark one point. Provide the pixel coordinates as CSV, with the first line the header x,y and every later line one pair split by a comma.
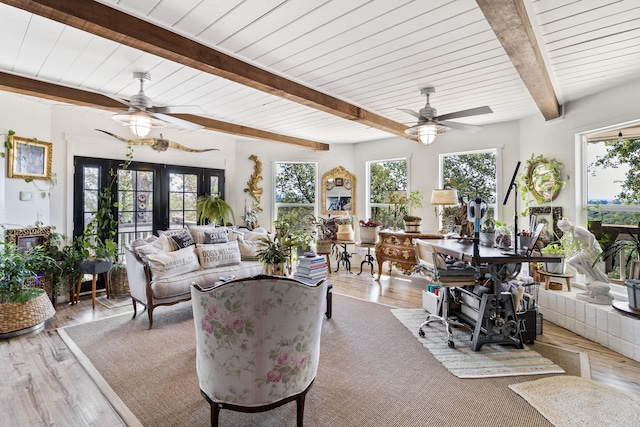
x,y
106,22
510,23
26,86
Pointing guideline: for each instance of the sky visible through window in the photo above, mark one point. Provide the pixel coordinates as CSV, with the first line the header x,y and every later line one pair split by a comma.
x,y
603,184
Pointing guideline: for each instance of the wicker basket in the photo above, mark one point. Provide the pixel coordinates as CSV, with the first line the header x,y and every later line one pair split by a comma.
x,y
23,315
118,282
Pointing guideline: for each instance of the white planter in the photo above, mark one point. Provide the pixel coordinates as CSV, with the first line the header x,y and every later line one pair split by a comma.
x,y
369,234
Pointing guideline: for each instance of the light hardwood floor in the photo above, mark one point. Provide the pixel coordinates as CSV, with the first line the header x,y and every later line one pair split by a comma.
x,y
42,383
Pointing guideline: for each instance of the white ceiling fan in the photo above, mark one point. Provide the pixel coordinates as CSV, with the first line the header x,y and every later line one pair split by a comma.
x,y
430,125
142,116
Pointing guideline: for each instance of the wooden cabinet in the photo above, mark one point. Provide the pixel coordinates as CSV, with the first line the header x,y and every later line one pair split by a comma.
x,y
397,248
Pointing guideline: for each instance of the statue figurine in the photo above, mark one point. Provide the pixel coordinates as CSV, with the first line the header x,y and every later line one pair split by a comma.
x,y
584,262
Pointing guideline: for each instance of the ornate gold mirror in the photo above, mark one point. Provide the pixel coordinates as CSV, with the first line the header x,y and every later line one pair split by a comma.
x,y
543,179
338,192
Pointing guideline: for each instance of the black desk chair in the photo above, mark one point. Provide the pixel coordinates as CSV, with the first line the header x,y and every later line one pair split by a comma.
x,y
432,263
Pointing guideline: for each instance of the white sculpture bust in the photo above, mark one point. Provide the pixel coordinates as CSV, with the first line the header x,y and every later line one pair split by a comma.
x,y
597,282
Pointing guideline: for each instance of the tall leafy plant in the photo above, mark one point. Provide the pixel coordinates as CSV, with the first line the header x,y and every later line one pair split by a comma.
x,y
214,210
17,266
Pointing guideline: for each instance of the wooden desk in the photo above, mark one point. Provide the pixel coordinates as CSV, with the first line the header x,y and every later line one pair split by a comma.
x,y
496,321
397,248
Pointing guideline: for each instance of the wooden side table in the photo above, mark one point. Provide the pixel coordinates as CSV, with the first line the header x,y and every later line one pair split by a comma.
x,y
547,279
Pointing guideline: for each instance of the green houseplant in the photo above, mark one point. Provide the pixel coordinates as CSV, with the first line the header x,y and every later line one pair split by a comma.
x,y
22,307
411,221
274,255
214,210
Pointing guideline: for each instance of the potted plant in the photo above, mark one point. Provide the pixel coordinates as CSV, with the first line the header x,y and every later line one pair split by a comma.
x,y
274,255
322,233
23,308
369,230
345,228
250,216
412,222
554,248
214,210
503,235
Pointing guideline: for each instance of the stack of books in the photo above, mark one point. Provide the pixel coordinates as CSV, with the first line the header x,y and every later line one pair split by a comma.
x,y
311,268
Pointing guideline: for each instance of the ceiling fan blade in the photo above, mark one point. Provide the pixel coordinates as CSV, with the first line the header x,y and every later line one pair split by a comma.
x,y
177,109
410,112
460,126
465,113
176,121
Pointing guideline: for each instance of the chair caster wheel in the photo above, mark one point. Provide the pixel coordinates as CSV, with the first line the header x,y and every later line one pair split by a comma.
x,y
421,333
451,344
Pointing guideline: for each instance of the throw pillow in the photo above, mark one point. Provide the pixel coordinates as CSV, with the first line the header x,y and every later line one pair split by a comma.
x,y
182,239
217,235
174,263
197,232
171,232
160,245
219,255
248,249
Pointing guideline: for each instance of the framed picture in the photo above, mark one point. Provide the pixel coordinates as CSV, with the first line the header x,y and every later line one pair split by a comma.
x,y
339,182
549,217
27,238
29,158
347,184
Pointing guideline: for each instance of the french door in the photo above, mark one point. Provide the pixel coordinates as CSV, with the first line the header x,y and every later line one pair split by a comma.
x,y
150,197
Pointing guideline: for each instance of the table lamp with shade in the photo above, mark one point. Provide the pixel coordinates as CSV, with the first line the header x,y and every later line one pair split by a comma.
x,y
441,198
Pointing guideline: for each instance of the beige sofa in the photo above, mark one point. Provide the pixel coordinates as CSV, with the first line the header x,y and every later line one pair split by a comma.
x,y
162,269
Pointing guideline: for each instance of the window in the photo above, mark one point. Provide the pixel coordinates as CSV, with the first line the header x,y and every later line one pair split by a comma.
x,y
385,177
612,172
151,197
295,193
472,174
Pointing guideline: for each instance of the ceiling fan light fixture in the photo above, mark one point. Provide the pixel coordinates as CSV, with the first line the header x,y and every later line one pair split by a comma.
x,y
427,134
139,122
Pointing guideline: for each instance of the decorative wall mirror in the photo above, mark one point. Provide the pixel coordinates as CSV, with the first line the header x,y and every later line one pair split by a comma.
x,y
338,192
543,178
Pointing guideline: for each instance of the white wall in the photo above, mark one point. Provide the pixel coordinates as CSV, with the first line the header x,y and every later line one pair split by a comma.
x,y
29,119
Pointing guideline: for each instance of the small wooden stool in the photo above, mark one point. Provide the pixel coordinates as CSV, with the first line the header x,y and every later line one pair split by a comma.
x,y
547,279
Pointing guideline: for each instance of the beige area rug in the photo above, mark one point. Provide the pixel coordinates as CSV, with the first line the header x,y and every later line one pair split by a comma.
x,y
569,401
372,373
492,360
115,302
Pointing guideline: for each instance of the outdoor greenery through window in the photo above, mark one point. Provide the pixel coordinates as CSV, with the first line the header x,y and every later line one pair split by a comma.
x,y
472,174
295,193
613,201
385,177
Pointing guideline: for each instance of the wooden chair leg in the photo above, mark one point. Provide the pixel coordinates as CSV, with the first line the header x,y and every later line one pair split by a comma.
x,y
300,409
150,314
93,291
135,307
215,412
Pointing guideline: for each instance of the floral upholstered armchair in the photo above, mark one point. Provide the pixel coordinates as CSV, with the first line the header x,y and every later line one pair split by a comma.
x,y
257,342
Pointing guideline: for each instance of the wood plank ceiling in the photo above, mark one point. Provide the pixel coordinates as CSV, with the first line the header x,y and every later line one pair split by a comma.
x,y
319,72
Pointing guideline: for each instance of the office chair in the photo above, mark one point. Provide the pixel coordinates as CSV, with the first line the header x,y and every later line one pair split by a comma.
x,y
447,275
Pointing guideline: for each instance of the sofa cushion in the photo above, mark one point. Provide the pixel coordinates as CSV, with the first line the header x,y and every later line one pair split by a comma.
x,y
219,255
165,265
251,236
182,240
217,235
160,245
180,286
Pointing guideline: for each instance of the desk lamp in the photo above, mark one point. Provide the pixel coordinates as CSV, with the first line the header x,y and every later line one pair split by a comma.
x,y
443,197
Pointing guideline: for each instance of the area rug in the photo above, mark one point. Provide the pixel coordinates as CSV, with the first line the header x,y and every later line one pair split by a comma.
x,y
115,302
372,372
492,360
569,401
